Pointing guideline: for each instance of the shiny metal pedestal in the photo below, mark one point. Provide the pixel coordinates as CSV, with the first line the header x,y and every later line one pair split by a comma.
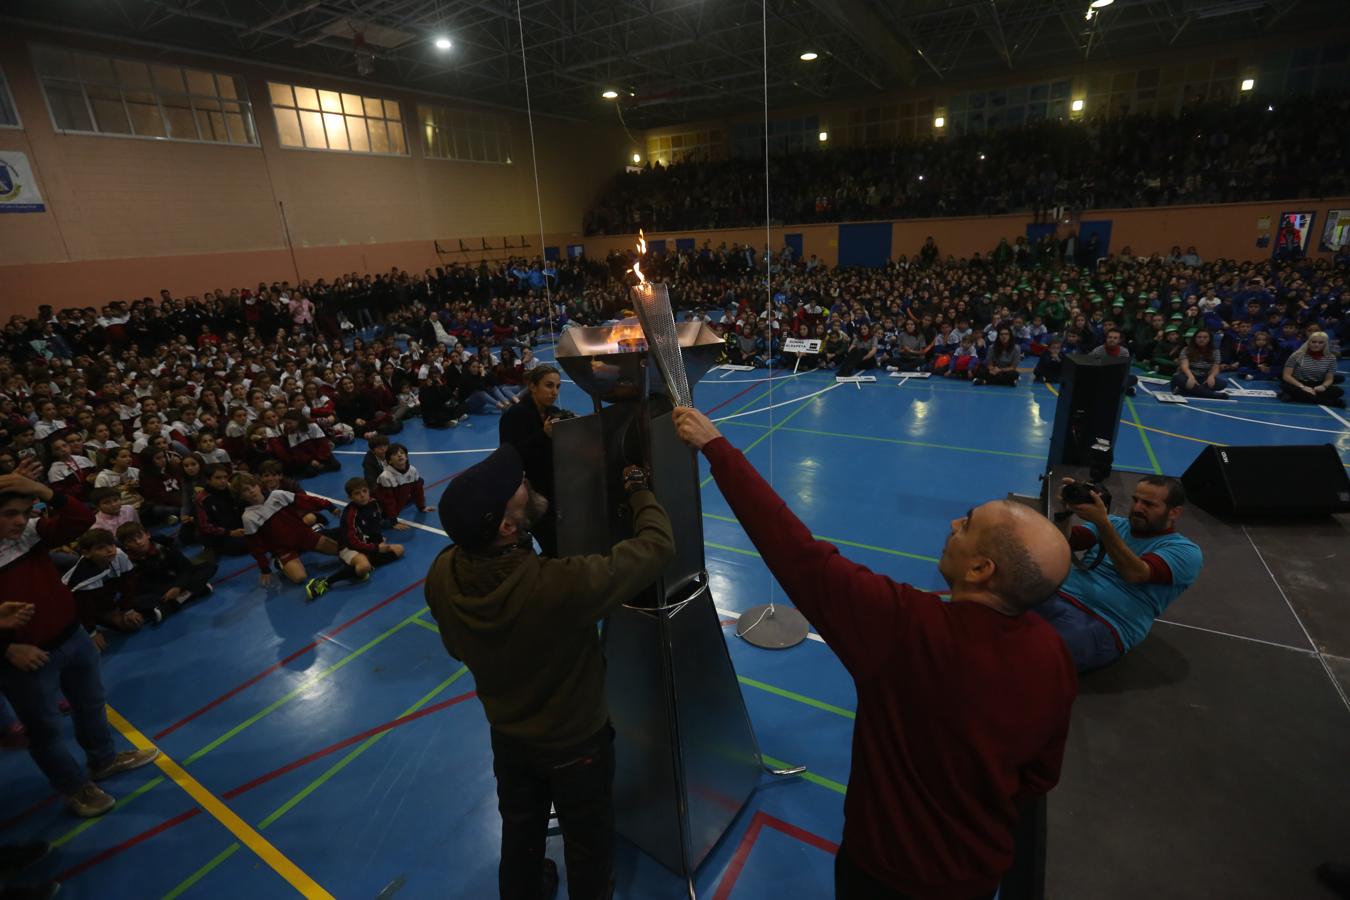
x,y
687,759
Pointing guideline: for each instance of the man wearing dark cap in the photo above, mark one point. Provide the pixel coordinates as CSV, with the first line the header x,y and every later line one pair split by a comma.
x,y
525,627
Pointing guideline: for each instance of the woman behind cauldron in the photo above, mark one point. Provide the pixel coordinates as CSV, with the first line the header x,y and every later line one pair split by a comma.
x,y
528,426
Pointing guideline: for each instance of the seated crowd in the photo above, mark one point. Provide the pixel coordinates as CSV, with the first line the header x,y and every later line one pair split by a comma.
x,y
1210,153
1025,306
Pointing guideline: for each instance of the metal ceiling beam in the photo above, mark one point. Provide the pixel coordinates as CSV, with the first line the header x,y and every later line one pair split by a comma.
x,y
871,32
282,17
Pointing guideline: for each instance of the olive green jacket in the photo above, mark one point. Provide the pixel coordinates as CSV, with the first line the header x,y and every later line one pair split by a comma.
x,y
525,626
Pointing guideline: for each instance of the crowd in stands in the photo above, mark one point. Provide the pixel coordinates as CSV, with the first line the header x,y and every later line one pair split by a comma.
x,y
1210,153
164,426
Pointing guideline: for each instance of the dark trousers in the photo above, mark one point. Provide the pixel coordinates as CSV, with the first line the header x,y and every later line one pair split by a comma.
x,y
579,784
852,883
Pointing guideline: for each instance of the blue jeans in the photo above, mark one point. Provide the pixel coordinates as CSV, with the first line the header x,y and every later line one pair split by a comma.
x,y
1091,643
71,669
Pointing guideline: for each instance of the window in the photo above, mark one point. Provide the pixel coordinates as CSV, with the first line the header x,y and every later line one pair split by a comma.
x,y
693,146
465,136
104,95
332,120
9,116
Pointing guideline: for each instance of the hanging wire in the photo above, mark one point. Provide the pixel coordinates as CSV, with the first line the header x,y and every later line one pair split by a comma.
x,y
534,162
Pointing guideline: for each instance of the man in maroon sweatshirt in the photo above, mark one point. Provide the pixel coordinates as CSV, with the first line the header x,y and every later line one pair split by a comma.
x,y
963,707
51,654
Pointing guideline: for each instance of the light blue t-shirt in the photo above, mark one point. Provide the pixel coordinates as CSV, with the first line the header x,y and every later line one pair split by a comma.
x,y
1131,608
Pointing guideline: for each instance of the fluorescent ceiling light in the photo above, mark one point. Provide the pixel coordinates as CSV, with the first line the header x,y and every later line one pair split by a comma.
x,y
610,94
1248,83
810,55
824,136
1101,4
442,43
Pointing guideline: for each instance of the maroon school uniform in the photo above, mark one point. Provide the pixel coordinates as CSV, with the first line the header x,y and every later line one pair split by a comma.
x,y
395,490
300,448
68,476
26,571
277,526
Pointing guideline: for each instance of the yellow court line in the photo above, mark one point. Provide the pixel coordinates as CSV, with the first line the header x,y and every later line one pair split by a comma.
x,y
308,887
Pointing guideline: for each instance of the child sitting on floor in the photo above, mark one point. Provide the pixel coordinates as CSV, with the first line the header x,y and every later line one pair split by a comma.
x,y
400,484
110,512
361,528
372,464
103,584
165,578
280,524
218,516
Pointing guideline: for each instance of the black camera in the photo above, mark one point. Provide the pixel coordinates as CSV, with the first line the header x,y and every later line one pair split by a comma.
x,y
1081,492
557,412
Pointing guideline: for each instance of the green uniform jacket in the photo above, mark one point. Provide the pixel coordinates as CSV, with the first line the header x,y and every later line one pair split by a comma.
x,y
525,626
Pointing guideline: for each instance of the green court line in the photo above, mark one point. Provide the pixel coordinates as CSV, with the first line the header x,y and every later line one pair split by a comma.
x,y
427,625
751,402
312,787
1143,435
234,732
788,418
805,776
800,698
731,549
889,440
819,537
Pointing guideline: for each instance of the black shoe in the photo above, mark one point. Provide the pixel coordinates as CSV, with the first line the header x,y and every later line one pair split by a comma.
x,y
31,892
14,857
548,887
1335,876
1129,392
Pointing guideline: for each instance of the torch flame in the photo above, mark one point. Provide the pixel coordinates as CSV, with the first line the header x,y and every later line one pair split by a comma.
x,y
637,263
626,333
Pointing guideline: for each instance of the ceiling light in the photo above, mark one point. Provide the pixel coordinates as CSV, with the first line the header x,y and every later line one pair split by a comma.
x,y
824,136
810,55
1076,106
921,178
637,158
1101,4
610,94
981,156
442,43
1248,83
939,122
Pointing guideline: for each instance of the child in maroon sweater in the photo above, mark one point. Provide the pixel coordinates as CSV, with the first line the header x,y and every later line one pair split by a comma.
x,y
400,484
303,448
281,524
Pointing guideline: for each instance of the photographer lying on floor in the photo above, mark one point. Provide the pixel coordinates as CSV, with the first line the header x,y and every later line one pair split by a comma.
x,y
1104,609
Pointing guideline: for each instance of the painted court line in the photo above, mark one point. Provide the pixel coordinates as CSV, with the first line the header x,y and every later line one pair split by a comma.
x,y
1239,637
247,723
310,788
261,848
261,780
420,452
761,820
819,537
751,412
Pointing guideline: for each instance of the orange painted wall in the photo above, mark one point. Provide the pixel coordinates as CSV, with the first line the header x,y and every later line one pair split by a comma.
x,y
1216,231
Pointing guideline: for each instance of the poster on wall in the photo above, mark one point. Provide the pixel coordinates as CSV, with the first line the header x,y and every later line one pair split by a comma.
x,y
1291,240
1336,232
18,187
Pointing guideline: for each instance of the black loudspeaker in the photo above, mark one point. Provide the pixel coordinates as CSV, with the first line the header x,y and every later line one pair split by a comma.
x,y
1091,393
1300,480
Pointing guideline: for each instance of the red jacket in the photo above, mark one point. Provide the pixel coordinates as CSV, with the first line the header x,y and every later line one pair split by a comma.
x,y
26,571
277,525
962,712
395,490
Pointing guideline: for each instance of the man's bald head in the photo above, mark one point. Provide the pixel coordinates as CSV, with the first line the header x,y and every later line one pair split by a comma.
x,y
1007,550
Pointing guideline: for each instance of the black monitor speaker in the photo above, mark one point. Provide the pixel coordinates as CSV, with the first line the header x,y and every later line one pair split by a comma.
x,y
1091,393
1293,480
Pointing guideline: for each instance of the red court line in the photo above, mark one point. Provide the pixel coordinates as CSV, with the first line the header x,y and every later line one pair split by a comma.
x,y
757,824
297,654
116,849
235,574
732,397
13,820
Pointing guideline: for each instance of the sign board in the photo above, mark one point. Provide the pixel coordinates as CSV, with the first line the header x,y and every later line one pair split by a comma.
x,y
911,374
855,379
18,188
801,345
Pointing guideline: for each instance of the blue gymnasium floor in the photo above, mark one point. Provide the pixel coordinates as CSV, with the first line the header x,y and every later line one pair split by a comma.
x,y
343,735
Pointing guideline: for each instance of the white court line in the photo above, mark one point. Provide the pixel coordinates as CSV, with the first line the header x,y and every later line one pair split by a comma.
x,y
418,525
1240,637
1336,685
1215,412
730,614
751,412
420,452
1335,415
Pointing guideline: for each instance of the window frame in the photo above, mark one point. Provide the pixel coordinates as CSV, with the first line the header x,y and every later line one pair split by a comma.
x,y
9,96
244,101
452,134
297,109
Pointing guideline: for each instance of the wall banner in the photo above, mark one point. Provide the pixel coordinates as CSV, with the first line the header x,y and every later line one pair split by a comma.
x,y
18,188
